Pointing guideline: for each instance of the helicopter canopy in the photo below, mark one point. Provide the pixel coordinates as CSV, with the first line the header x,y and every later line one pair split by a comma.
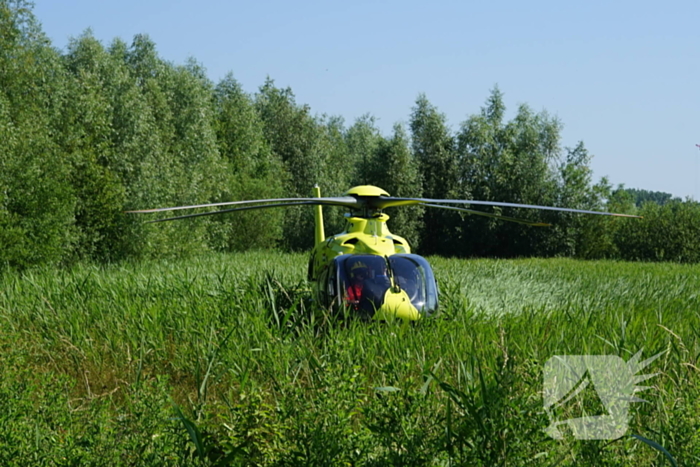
x,y
377,274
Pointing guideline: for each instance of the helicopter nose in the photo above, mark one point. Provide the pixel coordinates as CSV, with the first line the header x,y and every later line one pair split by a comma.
x,y
397,305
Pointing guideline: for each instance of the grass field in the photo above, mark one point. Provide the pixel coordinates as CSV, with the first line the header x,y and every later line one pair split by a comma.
x,y
219,361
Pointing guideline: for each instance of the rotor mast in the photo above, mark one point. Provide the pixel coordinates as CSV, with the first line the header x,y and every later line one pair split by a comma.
x,y
319,232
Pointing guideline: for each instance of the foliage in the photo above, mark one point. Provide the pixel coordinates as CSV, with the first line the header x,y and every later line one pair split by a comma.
x,y
518,162
183,166
666,233
643,196
398,172
175,363
253,172
93,131
362,140
36,201
218,358
84,134
41,424
303,144
433,149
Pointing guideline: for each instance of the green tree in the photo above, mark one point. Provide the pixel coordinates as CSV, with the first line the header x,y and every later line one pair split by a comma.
x,y
397,171
138,133
665,233
84,133
302,143
36,200
337,169
253,171
179,162
512,162
581,235
643,196
434,149
363,139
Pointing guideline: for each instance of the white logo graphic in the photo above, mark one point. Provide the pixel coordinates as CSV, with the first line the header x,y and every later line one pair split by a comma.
x,y
614,382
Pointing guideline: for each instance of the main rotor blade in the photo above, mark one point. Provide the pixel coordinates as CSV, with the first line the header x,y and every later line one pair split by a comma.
x,y
386,202
246,208
347,201
488,214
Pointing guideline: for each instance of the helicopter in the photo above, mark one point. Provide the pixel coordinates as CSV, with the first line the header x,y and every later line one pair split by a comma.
x,y
366,269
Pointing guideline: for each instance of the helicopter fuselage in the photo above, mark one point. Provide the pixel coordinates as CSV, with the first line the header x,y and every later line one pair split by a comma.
x,y
398,284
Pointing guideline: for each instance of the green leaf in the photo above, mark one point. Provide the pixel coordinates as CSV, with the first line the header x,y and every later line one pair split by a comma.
x,y
658,447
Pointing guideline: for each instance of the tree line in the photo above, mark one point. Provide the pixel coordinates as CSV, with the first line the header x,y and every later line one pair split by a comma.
x,y
92,131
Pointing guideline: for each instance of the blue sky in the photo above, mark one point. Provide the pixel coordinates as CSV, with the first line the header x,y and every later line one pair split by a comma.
x,y
622,76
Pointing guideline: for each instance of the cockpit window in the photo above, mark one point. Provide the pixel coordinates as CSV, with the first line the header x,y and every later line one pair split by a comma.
x,y
414,275
364,279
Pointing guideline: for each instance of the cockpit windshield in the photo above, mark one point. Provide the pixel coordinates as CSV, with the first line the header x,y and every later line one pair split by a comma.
x,y
364,279
414,275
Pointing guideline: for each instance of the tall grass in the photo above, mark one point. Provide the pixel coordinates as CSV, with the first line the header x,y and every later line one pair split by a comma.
x,y
220,360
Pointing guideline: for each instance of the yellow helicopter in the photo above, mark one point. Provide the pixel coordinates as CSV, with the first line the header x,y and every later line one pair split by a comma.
x,y
366,268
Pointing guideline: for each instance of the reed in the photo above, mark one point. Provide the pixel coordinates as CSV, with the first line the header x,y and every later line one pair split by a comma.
x,y
219,360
